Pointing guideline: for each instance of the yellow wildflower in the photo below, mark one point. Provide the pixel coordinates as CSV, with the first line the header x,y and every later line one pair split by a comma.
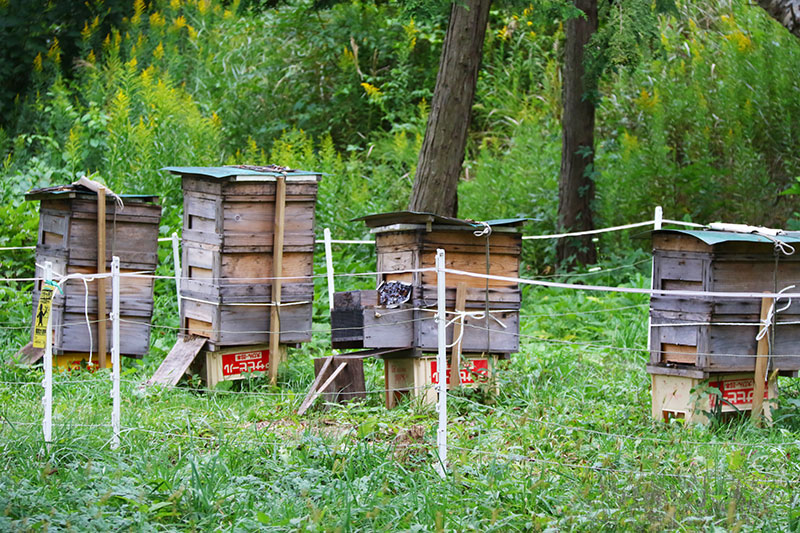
x,y
158,53
91,57
504,33
54,53
372,92
86,32
157,20
37,62
180,22
742,41
138,9
175,4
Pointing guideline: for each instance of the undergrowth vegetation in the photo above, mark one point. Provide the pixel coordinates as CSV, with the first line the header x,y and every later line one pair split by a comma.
x,y
705,125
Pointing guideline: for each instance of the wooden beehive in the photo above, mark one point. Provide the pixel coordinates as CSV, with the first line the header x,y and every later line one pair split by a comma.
x,y
68,239
695,336
228,236
407,241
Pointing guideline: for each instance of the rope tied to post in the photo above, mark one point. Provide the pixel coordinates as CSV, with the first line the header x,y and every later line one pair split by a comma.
x,y
767,323
486,230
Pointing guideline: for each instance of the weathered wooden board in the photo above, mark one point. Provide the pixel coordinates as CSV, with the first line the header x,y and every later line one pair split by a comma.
x,y
177,361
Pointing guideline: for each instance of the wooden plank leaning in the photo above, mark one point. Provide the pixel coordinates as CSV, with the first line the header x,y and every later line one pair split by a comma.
x,y
275,355
315,394
177,361
307,400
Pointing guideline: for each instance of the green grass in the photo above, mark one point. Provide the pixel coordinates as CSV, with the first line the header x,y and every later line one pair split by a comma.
x,y
566,444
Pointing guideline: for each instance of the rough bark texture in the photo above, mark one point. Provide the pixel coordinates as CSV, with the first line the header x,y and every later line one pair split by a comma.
x,y
442,154
575,185
787,12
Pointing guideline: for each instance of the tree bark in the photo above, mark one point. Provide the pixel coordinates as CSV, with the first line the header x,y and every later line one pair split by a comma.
x,y
576,188
787,12
442,154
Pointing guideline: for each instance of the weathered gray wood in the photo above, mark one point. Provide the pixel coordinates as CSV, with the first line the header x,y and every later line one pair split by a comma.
x,y
685,372
72,335
388,328
28,355
177,361
499,340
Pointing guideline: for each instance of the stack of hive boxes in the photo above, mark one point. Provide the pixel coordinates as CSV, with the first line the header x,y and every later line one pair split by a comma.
x,y
228,274
68,238
397,319
701,343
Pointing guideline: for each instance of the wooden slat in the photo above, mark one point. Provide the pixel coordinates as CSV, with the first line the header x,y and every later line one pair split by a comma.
x,y
307,400
101,268
678,353
762,359
277,271
324,386
458,330
177,361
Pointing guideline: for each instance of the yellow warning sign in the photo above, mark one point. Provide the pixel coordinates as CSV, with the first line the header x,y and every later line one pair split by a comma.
x,y
42,317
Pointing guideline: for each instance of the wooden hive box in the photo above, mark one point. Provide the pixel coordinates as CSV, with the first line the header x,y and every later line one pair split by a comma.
x,y
68,239
408,241
228,233
710,341
691,399
418,377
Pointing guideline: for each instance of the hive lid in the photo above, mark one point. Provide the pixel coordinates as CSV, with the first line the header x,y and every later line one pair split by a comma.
x,y
414,218
64,192
247,173
718,237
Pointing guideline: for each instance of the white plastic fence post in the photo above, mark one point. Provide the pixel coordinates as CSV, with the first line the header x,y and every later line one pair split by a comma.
x,y
659,217
47,383
176,253
115,362
441,364
329,265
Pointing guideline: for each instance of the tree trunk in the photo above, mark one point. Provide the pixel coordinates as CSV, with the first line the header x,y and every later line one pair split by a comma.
x,y
787,12
576,185
442,154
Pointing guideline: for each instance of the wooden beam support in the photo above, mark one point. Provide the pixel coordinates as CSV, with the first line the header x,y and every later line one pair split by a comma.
x,y
275,353
101,282
762,358
314,385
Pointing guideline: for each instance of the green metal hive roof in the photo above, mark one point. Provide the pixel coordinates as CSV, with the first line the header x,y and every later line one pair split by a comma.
x,y
236,172
718,237
414,217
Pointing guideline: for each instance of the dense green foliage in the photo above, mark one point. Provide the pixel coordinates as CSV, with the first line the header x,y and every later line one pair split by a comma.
x,y
703,122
